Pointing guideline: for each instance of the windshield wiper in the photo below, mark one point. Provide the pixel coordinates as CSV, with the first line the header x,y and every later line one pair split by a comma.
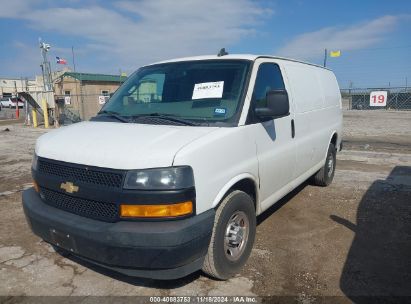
x,y
115,115
169,117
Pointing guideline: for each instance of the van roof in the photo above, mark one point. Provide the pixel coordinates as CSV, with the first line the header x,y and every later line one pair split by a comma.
x,y
250,57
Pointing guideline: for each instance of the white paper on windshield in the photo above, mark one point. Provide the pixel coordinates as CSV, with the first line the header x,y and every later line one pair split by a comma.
x,y
208,90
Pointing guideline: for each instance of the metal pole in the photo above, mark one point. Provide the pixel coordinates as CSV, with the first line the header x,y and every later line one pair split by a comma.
x,y
82,113
349,93
17,100
46,67
325,57
44,77
45,112
396,101
34,115
74,63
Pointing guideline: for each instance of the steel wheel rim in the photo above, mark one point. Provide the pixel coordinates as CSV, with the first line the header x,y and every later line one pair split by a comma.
x,y
236,235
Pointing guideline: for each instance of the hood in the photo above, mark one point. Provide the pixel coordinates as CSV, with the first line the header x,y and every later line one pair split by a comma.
x,y
118,145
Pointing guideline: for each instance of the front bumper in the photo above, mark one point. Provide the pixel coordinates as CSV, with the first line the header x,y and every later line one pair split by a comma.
x,y
157,250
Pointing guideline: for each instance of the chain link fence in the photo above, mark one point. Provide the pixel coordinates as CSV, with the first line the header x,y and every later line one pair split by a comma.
x,y
398,98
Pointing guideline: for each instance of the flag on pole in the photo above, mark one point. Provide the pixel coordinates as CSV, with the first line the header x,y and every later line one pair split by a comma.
x,y
61,60
335,53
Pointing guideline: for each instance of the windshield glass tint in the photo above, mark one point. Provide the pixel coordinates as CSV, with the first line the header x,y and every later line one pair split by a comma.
x,y
209,90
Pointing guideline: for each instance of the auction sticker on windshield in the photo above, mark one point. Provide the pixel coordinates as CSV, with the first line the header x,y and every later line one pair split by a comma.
x,y
208,90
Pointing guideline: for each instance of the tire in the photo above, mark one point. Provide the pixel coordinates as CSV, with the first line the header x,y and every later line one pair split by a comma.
x,y
226,257
325,175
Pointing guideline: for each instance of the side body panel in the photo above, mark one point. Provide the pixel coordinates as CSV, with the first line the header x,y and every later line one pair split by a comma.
x,y
317,100
218,160
315,105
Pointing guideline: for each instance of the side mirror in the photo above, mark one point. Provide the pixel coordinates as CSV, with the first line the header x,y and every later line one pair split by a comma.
x,y
277,105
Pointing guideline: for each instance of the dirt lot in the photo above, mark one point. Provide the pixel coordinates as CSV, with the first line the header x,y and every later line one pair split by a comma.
x,y
350,239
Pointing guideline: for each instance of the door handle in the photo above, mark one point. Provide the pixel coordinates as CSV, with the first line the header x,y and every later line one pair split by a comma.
x,y
292,128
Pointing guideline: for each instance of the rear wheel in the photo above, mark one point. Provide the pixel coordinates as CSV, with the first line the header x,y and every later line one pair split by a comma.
x,y
325,176
233,236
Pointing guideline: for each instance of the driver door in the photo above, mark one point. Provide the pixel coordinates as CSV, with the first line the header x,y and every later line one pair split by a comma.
x,y
276,149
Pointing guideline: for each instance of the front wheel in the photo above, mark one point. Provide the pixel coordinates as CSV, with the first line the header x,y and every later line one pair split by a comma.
x,y
233,236
325,176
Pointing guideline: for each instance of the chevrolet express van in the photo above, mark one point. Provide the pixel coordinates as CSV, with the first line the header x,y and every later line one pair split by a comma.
x,y
169,176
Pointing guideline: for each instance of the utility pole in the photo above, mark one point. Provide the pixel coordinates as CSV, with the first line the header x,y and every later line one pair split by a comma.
x,y
406,84
325,57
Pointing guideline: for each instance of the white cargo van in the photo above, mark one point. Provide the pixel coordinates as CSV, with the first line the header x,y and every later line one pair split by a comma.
x,y
170,175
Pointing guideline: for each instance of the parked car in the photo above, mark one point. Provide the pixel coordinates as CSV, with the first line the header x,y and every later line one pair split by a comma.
x,y
211,142
11,102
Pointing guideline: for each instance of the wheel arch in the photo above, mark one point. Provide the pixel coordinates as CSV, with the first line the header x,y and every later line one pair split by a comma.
x,y
334,139
245,182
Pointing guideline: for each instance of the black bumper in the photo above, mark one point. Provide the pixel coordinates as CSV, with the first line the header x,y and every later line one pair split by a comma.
x,y
158,250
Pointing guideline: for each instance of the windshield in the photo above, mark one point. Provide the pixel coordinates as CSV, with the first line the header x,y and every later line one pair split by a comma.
x,y
208,91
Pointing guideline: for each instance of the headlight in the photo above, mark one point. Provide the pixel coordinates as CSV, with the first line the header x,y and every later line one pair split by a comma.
x,y
35,161
160,178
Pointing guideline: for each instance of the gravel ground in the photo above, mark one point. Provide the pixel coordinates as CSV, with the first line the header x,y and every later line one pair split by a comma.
x,y
347,240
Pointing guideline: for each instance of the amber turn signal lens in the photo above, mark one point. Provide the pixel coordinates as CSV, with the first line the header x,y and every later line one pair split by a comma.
x,y
36,186
151,211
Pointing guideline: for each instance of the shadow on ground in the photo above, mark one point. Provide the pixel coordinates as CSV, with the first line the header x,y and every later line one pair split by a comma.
x,y
378,265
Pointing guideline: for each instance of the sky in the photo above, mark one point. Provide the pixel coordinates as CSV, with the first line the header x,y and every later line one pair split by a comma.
x,y
110,37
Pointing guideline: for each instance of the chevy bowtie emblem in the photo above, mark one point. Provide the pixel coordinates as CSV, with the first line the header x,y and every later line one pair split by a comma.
x,y
69,187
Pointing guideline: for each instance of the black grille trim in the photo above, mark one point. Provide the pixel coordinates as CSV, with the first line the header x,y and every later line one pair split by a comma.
x,y
83,174
107,212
